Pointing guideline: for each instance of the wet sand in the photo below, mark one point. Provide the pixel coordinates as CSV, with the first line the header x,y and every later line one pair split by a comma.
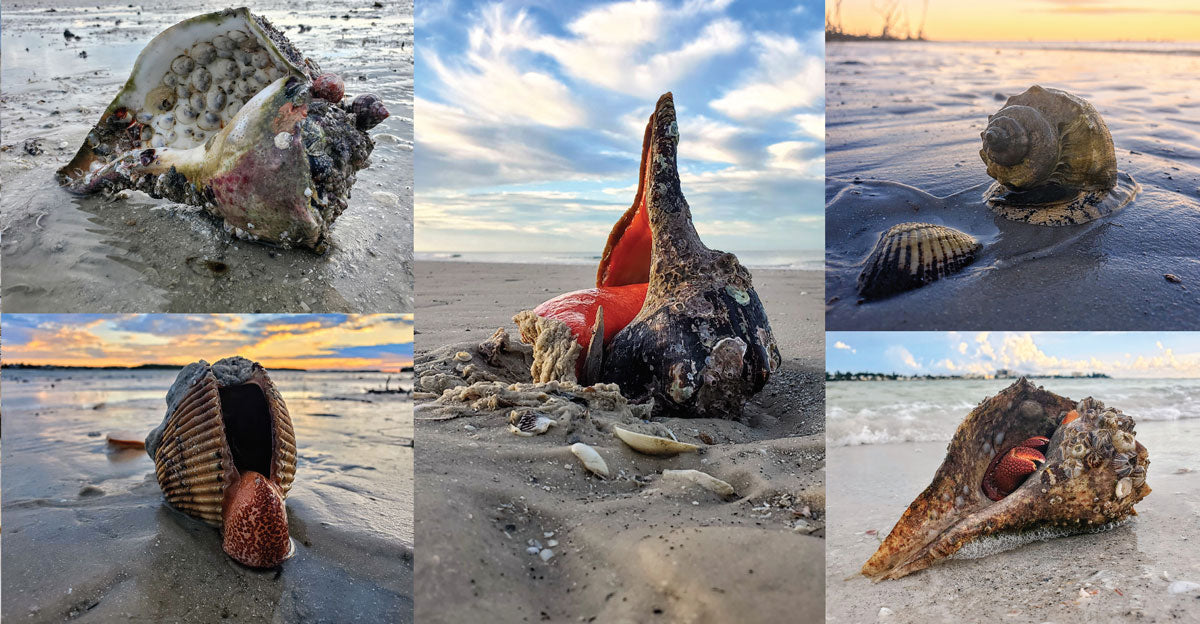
x,y
88,536
63,253
1124,574
908,150
633,548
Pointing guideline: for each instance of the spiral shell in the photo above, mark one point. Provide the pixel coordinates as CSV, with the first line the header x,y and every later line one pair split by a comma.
x,y
1053,160
1048,136
910,255
221,420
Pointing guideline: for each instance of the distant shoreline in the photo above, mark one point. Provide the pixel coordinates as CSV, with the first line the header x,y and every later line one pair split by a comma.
x,y
840,376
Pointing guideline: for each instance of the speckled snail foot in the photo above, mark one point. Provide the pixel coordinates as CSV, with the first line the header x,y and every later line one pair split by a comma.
x,y
670,321
1053,160
222,112
1063,468
225,454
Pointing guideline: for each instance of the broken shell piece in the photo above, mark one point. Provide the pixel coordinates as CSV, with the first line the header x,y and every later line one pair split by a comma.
x,y
529,424
702,479
910,255
590,458
653,445
225,453
249,147
126,439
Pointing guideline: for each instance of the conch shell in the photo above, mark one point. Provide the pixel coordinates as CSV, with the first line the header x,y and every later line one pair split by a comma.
x,y
225,453
670,320
1093,473
1053,160
220,113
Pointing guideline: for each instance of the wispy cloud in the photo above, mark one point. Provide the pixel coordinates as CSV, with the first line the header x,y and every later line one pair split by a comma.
x,y
514,102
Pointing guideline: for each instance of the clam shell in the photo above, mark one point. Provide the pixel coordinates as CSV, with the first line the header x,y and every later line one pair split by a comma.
x,y
653,445
529,424
910,255
590,458
221,420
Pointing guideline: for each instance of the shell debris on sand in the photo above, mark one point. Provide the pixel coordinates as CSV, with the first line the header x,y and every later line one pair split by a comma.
x,y
652,445
126,439
702,479
590,458
910,255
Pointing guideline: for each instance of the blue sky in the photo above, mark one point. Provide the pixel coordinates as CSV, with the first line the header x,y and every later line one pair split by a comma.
x,y
529,120
1119,354
328,341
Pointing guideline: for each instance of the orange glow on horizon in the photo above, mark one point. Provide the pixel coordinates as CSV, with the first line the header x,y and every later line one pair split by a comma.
x,y
1030,20
308,345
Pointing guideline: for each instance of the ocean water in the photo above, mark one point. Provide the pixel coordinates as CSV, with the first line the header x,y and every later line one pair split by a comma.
x,y
903,138
891,412
798,259
86,527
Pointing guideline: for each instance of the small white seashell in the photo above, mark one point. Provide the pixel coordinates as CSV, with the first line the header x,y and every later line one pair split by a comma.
x,y
652,445
529,424
283,140
702,479
590,458
546,554
462,356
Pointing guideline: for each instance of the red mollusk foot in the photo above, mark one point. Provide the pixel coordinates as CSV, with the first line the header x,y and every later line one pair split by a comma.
x,y
1009,470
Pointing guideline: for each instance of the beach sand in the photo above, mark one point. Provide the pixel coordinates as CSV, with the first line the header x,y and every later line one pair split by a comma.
x,y
65,253
633,548
903,140
88,536
1124,574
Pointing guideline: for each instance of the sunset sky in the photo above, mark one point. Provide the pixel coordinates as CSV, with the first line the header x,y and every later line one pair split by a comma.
x,y
1037,20
530,116
308,341
1118,354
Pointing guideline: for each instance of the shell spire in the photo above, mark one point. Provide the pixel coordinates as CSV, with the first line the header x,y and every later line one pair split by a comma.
x,y
225,452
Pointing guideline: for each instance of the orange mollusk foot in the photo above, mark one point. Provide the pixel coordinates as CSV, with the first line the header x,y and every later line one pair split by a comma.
x,y
255,522
670,320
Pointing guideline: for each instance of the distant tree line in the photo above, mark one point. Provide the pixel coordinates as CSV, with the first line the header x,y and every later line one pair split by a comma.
x,y
896,25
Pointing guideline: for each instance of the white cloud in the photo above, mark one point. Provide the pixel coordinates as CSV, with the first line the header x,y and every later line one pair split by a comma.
x,y
811,124
787,78
841,345
899,353
962,348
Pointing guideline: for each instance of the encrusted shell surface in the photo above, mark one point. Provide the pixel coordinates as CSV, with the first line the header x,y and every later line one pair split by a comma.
x,y
1093,475
910,255
1053,160
221,420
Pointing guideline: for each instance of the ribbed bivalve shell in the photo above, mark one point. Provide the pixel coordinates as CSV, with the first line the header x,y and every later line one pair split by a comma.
x,y
193,458
910,255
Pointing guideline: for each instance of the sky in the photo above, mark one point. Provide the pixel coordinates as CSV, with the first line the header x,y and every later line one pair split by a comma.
x,y
308,341
529,120
1035,20
1118,354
